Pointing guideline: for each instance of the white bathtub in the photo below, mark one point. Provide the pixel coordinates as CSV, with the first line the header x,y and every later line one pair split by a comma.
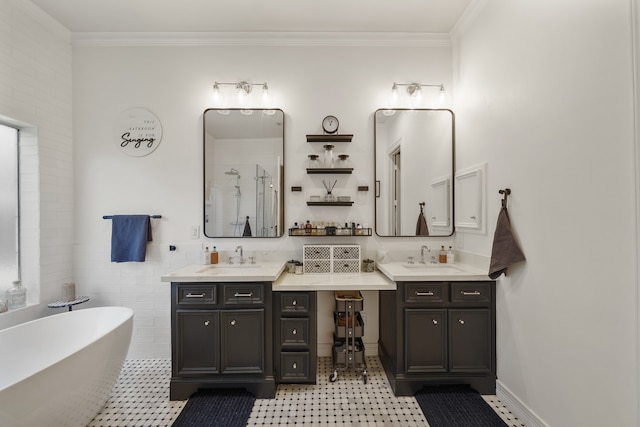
x,y
59,370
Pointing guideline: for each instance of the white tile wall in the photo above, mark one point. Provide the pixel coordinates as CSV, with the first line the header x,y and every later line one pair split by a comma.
x,y
36,95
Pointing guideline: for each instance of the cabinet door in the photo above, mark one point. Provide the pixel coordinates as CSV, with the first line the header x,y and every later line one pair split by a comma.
x,y
471,340
197,342
425,340
242,341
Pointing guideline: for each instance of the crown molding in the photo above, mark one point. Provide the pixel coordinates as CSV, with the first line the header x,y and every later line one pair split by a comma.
x,y
260,39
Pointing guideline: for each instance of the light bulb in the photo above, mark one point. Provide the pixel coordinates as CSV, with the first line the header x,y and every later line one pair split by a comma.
x,y
217,96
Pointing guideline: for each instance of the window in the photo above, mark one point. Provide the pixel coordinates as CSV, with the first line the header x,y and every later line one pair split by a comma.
x,y
9,207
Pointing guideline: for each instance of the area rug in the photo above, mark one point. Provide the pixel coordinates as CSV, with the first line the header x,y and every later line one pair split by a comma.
x,y
456,406
219,407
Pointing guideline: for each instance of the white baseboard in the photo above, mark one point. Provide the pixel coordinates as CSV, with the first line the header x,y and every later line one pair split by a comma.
x,y
517,407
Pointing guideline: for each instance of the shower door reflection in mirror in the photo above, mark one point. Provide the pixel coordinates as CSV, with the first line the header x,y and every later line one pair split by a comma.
x,y
243,172
414,166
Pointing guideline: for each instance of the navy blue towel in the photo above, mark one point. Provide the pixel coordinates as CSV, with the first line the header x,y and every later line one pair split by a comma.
x,y
129,237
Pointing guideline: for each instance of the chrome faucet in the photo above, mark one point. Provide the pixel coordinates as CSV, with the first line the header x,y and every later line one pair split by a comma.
x,y
422,248
241,252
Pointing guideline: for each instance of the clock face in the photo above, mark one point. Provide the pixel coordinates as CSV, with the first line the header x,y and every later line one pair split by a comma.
x,y
330,124
138,132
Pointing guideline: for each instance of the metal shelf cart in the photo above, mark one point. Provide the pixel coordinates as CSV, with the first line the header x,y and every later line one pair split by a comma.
x,y
348,348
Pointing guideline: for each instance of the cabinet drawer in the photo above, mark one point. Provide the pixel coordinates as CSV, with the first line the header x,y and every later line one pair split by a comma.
x,y
425,292
196,294
471,292
346,252
291,302
238,293
317,266
346,266
317,252
294,333
294,367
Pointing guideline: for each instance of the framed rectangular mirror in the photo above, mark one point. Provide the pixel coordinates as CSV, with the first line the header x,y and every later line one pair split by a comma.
x,y
414,168
243,172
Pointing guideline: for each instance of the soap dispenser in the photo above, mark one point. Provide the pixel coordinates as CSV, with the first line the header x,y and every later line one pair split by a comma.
x,y
214,256
206,256
450,256
442,256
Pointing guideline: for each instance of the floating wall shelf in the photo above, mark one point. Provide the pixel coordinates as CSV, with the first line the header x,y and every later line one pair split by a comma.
x,y
329,138
330,203
329,170
315,232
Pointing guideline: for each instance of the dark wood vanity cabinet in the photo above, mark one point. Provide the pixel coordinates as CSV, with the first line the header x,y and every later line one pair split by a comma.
x,y
295,337
221,337
438,333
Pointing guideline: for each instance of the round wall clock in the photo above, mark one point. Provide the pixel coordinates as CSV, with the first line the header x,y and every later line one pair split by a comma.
x,y
138,132
330,124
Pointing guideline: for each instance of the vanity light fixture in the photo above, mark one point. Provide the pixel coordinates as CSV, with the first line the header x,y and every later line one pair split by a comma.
x,y
415,89
243,89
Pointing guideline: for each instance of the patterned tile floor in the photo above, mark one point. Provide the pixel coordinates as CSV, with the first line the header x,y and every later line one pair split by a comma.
x,y
141,399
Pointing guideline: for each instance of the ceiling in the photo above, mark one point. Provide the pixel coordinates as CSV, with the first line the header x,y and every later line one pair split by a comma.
x,y
424,16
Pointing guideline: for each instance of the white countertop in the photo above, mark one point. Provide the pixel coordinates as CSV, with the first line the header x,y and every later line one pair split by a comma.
x,y
267,271
333,282
273,271
402,271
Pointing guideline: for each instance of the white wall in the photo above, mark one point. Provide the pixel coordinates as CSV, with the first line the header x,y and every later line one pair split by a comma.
x,y
175,83
544,94
35,95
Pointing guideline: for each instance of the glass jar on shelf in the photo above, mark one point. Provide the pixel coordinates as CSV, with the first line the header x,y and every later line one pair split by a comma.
x,y
343,161
313,162
328,156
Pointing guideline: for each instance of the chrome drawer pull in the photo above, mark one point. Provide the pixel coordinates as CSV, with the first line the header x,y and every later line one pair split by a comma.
x,y
239,295
294,332
424,294
206,323
190,295
434,321
295,365
461,321
233,322
470,293
294,302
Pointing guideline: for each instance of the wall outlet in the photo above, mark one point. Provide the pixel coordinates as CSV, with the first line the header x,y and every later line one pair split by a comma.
x,y
195,232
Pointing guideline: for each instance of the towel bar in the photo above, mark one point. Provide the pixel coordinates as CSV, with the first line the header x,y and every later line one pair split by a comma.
x,y
150,216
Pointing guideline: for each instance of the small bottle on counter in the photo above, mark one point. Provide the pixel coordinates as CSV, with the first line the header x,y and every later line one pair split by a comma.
x,y
214,256
307,228
16,295
442,256
450,256
206,256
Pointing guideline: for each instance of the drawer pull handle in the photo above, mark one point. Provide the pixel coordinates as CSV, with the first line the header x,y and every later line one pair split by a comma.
x,y
434,321
294,332
239,295
295,365
461,321
190,295
424,294
233,322
294,302
465,293
206,323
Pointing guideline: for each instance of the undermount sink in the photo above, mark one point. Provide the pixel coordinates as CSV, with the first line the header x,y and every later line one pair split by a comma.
x,y
222,268
433,268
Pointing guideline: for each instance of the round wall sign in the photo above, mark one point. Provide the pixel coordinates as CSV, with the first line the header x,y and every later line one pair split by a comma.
x,y
138,132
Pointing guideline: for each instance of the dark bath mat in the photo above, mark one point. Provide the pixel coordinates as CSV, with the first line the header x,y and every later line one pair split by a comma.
x,y
219,407
456,406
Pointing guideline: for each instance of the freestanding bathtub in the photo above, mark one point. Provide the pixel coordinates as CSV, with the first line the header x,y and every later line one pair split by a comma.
x,y
59,370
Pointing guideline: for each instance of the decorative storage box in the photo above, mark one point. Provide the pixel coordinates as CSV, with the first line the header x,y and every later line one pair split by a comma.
x,y
326,259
